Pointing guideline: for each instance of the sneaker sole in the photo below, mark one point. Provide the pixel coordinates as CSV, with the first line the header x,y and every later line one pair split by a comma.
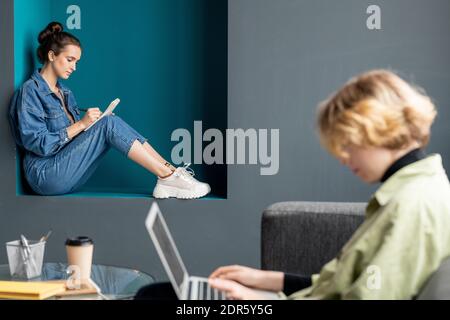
x,y
166,192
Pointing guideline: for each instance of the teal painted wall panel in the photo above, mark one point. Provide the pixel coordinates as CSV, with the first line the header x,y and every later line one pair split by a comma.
x,y
165,59
151,55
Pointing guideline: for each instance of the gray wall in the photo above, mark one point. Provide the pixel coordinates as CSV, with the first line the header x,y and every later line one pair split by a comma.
x,y
284,57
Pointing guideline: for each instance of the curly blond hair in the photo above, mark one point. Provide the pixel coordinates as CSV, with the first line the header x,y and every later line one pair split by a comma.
x,y
378,109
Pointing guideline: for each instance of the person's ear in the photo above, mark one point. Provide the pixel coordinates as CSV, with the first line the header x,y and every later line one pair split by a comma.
x,y
51,56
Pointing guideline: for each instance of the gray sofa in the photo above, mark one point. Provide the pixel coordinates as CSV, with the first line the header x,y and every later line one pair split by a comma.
x,y
300,237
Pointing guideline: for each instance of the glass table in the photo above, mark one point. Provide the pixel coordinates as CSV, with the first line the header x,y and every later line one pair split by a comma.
x,y
116,283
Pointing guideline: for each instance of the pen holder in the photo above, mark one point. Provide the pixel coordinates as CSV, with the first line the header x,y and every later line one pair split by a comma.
x,y
25,263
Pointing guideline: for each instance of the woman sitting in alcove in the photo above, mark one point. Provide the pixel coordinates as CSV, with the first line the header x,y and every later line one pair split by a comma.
x,y
59,155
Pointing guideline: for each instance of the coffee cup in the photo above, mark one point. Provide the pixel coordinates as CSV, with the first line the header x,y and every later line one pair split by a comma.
x,y
79,256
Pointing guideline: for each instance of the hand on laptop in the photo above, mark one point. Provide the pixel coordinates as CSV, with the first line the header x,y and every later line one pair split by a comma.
x,y
254,278
235,291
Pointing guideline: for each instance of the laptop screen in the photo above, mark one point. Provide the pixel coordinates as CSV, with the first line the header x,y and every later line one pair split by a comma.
x,y
168,250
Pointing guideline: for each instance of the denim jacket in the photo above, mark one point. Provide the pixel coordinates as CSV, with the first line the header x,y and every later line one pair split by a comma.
x,y
37,118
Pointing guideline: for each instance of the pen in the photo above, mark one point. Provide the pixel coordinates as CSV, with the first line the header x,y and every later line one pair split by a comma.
x,y
27,250
27,253
45,238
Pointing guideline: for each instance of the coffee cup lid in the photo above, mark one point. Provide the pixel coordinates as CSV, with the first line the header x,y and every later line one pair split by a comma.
x,y
79,241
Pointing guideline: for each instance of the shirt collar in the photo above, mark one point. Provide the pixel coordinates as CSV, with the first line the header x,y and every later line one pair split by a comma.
x,y
43,85
428,166
410,157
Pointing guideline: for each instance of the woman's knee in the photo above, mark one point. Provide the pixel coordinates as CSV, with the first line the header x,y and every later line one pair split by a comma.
x,y
106,121
111,122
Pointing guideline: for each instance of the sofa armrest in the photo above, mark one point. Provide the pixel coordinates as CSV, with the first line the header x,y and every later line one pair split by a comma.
x,y
300,237
438,285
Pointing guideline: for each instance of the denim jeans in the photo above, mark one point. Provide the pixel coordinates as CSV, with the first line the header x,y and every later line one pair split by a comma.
x,y
72,166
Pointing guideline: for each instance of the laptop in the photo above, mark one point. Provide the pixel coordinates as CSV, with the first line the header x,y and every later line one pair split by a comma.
x,y
186,287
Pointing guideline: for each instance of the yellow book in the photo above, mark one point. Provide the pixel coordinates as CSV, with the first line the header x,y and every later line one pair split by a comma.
x,y
30,290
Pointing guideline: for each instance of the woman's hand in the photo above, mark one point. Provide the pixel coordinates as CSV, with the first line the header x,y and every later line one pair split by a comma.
x,y
258,279
235,291
90,117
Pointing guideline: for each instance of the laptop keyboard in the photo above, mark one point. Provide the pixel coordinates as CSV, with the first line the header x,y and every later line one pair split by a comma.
x,y
201,290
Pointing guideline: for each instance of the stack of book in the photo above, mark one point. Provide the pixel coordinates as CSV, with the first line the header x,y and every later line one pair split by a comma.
x,y
30,290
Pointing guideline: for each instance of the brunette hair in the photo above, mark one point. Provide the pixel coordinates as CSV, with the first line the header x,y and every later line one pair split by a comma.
x,y
54,38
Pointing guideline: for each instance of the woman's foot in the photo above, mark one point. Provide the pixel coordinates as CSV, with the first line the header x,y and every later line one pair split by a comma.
x,y
181,184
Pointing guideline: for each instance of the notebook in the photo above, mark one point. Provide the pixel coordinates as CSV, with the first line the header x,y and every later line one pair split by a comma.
x,y
30,290
107,112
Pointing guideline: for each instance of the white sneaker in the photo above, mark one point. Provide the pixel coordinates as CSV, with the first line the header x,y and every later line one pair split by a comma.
x,y
181,184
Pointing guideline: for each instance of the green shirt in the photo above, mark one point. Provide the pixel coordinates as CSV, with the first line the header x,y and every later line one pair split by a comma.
x,y
404,238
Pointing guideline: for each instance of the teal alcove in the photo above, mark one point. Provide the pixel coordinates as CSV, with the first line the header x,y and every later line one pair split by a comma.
x,y
165,59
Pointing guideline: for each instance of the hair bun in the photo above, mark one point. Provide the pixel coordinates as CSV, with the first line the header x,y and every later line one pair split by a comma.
x,y
52,29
